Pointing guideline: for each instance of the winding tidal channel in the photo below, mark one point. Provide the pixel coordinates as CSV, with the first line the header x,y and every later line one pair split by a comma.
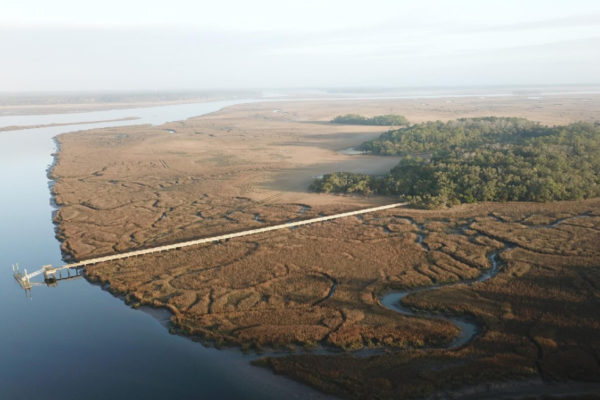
x,y
469,329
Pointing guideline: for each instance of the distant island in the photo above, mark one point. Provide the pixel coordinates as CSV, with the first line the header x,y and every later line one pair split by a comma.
x,y
378,120
481,159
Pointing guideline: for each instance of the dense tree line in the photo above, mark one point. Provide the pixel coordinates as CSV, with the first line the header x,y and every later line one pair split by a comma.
x,y
346,182
464,133
482,159
380,120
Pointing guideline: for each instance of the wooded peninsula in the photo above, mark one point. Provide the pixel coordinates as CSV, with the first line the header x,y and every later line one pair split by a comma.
x,y
481,159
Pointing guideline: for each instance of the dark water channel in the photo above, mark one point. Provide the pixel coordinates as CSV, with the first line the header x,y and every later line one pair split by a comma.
x,y
76,341
468,328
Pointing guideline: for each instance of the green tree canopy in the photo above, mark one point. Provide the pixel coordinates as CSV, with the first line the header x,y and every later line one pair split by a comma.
x,y
482,159
380,120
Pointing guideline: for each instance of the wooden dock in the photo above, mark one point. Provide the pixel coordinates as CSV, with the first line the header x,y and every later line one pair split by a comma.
x,y
50,273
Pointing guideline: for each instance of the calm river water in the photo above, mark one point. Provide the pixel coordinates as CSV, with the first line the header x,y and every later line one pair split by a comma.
x,y
76,341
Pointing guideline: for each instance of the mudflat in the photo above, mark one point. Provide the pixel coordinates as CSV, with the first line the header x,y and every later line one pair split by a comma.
x,y
249,166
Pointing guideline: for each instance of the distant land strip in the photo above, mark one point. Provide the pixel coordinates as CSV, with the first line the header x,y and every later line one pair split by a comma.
x,y
22,127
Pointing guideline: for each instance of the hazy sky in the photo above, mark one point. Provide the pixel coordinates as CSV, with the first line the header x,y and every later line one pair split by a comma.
x,y
176,44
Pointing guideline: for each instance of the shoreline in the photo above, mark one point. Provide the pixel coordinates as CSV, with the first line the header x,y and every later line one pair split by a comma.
x,y
62,105
25,127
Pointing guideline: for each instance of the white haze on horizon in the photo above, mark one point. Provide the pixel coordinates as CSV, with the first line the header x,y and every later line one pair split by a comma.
x,y
152,45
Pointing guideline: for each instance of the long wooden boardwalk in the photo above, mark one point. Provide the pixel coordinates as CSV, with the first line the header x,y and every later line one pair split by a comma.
x,y
50,272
